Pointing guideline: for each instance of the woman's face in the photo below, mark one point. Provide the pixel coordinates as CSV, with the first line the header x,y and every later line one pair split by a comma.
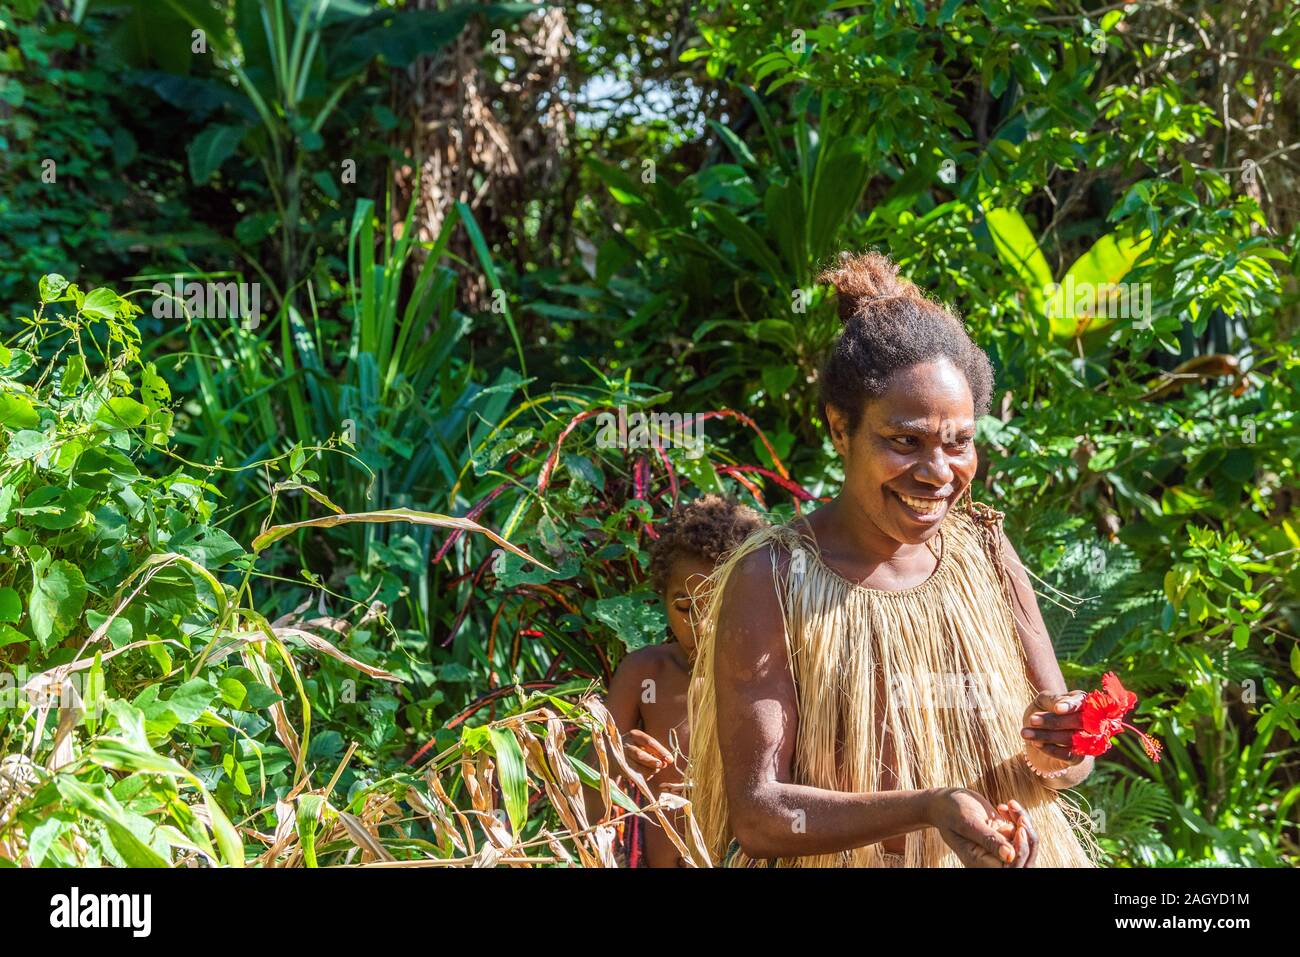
x,y
913,453
687,578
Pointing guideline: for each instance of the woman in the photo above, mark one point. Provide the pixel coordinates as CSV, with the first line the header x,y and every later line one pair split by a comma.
x,y
875,685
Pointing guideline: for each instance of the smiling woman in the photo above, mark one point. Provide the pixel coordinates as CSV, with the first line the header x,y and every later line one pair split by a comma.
x,y
900,345
823,731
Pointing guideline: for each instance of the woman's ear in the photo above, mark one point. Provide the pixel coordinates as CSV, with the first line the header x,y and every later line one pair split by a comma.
x,y
839,427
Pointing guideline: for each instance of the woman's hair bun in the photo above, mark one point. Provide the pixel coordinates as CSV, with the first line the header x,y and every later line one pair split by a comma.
x,y
890,324
865,279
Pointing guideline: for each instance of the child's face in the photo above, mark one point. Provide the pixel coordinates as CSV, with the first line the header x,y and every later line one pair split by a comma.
x,y
686,579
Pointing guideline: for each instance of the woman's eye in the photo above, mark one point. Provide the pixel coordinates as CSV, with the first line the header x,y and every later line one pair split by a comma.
x,y
683,605
905,441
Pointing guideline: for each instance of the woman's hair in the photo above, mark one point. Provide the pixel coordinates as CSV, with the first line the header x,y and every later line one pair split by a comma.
x,y
890,325
707,528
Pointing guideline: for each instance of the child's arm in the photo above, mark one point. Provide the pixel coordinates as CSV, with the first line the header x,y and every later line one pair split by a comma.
x,y
644,753
624,698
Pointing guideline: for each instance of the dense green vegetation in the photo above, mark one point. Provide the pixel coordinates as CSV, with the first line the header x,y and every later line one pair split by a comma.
x,y
453,288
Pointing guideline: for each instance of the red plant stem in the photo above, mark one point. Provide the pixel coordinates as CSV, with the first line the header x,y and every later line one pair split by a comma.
x,y
640,477
672,475
544,477
604,663
794,488
473,515
567,605
550,672
492,642
735,473
742,417
460,615
474,707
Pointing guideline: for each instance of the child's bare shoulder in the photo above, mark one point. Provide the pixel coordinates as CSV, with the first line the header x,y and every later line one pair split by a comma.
x,y
646,661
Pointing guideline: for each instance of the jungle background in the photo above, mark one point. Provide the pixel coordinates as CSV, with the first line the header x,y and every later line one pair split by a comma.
x,y
476,226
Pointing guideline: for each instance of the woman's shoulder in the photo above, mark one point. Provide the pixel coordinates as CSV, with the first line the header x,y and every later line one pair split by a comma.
x,y
750,574
978,529
767,548
769,541
747,611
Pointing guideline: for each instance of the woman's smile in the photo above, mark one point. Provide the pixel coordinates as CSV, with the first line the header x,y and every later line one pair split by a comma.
x,y
920,509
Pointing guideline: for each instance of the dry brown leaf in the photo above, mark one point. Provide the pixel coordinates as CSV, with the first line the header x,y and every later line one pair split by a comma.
x,y
318,643
369,843
605,839
279,717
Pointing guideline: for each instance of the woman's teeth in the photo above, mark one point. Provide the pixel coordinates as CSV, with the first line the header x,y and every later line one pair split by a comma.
x,y
926,506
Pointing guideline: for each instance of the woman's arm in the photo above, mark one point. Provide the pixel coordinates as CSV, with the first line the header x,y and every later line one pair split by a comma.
x,y
758,723
1051,738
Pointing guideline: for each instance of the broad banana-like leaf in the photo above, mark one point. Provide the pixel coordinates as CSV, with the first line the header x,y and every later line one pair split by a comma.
x,y
1080,302
787,223
1018,249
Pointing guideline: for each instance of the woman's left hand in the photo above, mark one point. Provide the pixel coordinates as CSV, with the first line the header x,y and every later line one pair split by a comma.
x,y
1049,725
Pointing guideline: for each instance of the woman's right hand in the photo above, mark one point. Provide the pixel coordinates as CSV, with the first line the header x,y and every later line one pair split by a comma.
x,y
976,831
1024,837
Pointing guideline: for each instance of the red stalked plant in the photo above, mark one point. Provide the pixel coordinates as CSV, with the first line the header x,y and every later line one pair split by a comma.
x,y
1103,717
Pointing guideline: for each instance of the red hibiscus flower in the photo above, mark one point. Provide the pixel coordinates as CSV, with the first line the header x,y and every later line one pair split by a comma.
x,y
1102,715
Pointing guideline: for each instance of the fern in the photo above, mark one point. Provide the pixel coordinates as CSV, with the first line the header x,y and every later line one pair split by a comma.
x,y
1111,597
1126,811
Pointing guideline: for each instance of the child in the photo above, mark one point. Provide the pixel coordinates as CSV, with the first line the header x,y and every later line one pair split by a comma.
x,y
647,695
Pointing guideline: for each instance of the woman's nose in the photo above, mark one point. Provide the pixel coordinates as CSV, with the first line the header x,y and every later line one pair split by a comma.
x,y
934,469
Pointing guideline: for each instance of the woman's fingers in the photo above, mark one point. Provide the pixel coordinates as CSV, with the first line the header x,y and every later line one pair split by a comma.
x,y
978,844
1027,846
1059,703
1033,840
1019,849
1069,702
1056,722
1060,752
1021,844
1063,738
980,853
1003,825
1046,701
1005,850
1024,840
996,841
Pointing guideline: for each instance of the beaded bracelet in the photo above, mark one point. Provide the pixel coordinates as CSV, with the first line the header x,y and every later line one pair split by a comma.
x,y
1043,774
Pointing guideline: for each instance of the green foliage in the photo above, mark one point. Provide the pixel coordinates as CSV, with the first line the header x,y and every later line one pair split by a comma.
x,y
126,622
1146,468
109,578
1127,465
284,78
63,152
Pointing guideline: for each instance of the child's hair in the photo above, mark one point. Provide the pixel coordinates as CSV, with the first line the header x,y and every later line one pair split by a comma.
x,y
707,528
891,325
